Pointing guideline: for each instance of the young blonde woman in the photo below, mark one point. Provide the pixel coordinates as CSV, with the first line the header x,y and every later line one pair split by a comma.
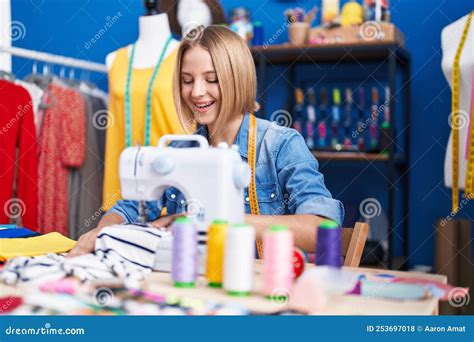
x,y
214,93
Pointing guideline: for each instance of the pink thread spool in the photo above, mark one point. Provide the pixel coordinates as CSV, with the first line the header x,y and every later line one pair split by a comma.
x,y
277,262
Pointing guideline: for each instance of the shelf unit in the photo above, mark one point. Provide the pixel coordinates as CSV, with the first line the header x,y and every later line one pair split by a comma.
x,y
397,59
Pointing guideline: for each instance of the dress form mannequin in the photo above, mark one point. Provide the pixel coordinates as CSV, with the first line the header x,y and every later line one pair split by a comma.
x,y
154,31
140,98
450,38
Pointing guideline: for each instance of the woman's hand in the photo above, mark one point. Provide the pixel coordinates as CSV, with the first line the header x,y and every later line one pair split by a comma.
x,y
85,244
166,221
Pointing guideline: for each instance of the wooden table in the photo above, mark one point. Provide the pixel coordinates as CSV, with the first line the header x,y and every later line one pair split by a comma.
x,y
337,305
161,282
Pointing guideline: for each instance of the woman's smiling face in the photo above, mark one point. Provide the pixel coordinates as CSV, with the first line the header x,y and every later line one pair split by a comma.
x,y
200,86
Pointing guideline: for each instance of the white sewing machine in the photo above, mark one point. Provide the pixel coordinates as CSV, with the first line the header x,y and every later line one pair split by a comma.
x,y
211,179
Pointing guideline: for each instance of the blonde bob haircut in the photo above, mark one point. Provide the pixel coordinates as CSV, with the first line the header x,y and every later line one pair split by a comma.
x,y
235,72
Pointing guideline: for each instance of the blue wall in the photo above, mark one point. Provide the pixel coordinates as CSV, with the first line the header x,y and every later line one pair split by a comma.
x,y
66,27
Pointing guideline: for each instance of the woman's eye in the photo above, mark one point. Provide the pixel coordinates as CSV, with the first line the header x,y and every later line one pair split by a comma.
x,y
213,81
187,81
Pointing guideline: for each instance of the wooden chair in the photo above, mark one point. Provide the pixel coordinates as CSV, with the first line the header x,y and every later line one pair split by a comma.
x,y
353,242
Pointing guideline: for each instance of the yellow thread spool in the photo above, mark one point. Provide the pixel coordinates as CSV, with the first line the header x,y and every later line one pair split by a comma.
x,y
215,253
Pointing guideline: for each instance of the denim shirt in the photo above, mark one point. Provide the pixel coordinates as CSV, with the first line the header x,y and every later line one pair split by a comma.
x,y
287,178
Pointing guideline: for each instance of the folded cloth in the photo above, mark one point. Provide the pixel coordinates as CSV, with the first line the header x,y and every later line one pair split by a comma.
x,y
437,289
122,251
17,233
38,245
7,226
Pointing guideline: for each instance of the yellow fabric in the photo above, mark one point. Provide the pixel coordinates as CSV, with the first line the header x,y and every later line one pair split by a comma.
x,y
164,119
33,246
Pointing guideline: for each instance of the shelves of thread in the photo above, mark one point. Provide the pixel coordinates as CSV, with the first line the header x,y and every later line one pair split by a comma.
x,y
310,53
338,125
351,103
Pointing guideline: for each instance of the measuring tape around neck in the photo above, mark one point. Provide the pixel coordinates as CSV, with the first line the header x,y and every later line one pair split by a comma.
x,y
252,157
469,192
469,186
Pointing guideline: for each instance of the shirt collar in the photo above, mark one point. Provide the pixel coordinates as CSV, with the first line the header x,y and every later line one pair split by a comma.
x,y
241,139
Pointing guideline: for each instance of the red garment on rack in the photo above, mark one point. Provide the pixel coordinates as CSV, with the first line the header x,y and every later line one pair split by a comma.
x,y
17,131
62,145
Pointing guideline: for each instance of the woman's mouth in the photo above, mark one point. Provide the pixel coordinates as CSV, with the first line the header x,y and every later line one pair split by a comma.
x,y
203,107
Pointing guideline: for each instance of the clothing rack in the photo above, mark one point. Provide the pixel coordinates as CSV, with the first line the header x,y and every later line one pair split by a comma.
x,y
54,59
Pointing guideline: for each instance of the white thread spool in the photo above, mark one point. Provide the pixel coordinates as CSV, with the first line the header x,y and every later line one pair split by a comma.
x,y
239,260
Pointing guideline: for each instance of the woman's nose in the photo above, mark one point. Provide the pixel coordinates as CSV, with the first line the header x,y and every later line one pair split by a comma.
x,y
199,89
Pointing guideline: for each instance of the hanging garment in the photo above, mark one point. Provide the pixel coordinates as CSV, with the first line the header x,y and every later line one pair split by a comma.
x,y
90,89
36,94
86,182
17,132
33,246
126,252
163,114
61,146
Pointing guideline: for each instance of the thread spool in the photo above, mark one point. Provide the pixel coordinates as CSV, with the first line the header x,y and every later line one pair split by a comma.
x,y
328,244
239,259
215,253
299,259
184,264
278,261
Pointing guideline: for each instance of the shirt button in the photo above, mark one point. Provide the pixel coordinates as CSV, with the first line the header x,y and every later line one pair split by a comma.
x,y
286,195
272,195
247,199
173,196
182,202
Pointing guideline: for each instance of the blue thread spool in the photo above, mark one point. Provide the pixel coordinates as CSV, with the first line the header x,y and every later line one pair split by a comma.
x,y
257,39
184,264
328,244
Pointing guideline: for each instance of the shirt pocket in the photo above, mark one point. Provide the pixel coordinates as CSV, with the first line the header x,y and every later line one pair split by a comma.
x,y
269,199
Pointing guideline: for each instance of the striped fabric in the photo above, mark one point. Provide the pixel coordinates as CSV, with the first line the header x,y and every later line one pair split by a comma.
x,y
123,251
